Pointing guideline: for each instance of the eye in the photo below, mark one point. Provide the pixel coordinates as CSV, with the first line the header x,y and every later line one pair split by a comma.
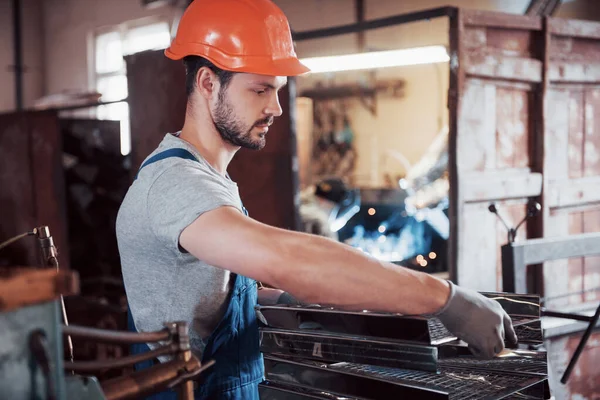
x,y
260,92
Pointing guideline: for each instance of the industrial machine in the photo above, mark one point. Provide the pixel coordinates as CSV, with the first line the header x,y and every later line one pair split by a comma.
x,y
313,352
33,323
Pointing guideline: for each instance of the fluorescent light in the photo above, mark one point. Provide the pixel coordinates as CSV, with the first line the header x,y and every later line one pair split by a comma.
x,y
378,59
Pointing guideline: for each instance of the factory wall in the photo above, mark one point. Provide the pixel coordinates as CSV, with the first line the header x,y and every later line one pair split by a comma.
x,y
32,53
57,36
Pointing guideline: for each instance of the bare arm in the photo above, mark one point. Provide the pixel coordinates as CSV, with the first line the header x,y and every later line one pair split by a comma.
x,y
312,268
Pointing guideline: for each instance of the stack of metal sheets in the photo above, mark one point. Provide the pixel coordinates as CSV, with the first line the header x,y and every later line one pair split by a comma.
x,y
313,352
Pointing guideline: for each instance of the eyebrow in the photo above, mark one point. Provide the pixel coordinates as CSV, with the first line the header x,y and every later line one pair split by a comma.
x,y
270,86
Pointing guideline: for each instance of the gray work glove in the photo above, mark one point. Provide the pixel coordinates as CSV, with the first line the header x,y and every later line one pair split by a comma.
x,y
479,321
286,298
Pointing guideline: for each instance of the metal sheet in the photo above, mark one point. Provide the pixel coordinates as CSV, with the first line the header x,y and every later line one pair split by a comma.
x,y
366,324
319,375
31,178
345,348
385,383
20,377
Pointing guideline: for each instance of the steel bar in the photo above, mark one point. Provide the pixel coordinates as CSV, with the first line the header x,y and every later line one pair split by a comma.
x,y
104,336
91,366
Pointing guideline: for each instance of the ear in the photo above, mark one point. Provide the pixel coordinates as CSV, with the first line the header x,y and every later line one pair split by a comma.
x,y
207,83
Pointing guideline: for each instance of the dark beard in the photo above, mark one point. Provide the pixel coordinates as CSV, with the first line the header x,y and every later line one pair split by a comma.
x,y
232,130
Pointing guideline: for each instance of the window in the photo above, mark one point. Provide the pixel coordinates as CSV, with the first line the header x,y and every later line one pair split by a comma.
x,y
109,68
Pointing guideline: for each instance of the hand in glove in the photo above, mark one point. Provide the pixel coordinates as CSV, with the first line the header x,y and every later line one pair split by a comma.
x,y
479,321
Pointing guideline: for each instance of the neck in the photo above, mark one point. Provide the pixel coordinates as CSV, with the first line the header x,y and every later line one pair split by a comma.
x,y
199,130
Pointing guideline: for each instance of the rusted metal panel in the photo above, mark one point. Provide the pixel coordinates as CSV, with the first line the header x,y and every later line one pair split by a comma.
x,y
574,72
573,192
491,19
572,166
478,128
591,265
32,182
575,139
509,42
575,265
495,66
571,49
591,131
476,252
503,184
574,29
512,140
494,136
267,181
583,382
539,80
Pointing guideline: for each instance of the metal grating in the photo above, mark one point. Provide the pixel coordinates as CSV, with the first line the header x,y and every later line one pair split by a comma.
x,y
535,366
529,332
459,383
437,331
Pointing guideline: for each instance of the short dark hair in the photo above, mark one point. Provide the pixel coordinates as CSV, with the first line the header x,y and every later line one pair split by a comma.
x,y
194,63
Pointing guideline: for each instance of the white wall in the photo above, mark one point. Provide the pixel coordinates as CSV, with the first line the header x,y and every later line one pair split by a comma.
x,y
70,26
32,53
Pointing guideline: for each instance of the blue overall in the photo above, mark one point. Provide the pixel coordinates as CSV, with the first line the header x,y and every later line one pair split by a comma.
x,y
234,344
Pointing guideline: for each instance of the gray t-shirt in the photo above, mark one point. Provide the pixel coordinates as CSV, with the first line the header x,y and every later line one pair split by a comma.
x,y
164,283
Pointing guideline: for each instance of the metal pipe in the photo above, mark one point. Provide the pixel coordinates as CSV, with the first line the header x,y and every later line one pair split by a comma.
x,y
91,366
121,337
557,314
375,24
50,259
151,380
17,46
580,346
15,239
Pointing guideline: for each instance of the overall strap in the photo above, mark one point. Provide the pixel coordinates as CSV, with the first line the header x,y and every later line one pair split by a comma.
x,y
178,152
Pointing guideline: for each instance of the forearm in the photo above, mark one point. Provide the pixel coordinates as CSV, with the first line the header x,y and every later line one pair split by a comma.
x,y
318,270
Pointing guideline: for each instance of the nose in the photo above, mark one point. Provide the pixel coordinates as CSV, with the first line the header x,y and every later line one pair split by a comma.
x,y
274,108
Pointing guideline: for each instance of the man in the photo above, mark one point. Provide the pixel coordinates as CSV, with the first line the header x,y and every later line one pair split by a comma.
x,y
326,207
190,253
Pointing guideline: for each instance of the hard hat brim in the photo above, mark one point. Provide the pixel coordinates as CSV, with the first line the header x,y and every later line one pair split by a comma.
x,y
261,65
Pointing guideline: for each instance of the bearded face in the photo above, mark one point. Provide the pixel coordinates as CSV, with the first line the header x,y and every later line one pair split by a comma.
x,y
245,109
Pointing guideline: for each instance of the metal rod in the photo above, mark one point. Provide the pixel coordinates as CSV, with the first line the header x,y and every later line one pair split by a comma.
x,y
17,47
121,337
375,24
91,366
580,346
15,238
152,380
360,17
557,314
579,292
50,259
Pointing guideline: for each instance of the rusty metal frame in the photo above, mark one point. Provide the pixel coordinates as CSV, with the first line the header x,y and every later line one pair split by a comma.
x,y
517,256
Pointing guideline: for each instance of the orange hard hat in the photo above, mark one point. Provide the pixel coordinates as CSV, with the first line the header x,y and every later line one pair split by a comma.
x,y
238,35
